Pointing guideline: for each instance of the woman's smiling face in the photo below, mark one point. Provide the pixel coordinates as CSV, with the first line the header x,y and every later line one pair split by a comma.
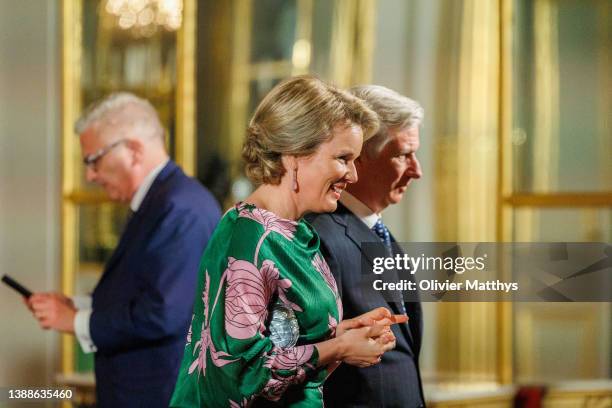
x,y
323,175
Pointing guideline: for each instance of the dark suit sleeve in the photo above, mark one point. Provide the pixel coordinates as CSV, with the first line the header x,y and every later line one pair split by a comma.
x,y
167,277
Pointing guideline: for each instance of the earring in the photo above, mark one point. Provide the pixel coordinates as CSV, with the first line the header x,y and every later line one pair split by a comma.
x,y
295,183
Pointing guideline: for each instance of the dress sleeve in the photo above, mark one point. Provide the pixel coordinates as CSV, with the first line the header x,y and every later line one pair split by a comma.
x,y
229,359
264,370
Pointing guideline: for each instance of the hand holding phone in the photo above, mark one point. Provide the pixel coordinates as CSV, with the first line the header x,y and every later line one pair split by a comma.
x,y
23,291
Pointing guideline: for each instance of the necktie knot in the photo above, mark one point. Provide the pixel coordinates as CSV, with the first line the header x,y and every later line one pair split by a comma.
x,y
382,231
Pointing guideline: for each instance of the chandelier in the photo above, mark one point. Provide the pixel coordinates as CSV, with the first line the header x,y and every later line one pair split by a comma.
x,y
144,17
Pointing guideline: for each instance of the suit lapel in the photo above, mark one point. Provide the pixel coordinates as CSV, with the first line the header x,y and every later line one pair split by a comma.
x,y
358,232
413,308
396,249
128,230
133,224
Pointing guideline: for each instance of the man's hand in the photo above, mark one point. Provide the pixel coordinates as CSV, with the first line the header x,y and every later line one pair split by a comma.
x,y
380,316
53,311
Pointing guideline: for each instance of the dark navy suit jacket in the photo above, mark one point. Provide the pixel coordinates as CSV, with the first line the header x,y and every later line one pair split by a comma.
x,y
142,305
396,381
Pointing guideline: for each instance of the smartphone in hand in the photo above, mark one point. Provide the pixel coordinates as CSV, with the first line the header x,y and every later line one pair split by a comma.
x,y
23,291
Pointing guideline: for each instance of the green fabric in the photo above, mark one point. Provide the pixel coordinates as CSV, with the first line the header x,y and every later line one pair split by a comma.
x,y
253,259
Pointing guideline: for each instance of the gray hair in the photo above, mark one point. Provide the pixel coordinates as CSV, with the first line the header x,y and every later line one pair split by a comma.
x,y
394,111
124,111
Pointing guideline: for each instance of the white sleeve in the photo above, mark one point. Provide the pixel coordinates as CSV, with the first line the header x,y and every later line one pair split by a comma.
x,y
81,330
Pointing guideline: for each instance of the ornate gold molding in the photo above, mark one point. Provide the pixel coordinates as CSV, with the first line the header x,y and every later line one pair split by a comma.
x,y
74,194
352,47
504,345
546,94
186,89
71,100
560,200
240,69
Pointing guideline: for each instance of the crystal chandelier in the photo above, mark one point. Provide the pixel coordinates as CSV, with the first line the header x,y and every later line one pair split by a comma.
x,y
144,17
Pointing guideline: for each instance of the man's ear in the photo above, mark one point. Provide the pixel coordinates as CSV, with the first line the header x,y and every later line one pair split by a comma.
x,y
137,148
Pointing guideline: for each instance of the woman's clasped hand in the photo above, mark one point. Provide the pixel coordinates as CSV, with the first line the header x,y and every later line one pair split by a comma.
x,y
362,340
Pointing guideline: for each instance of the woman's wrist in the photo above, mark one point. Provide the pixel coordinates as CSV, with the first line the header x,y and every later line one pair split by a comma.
x,y
331,351
340,348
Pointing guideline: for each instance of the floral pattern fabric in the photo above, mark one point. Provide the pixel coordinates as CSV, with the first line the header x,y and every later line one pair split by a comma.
x,y
255,259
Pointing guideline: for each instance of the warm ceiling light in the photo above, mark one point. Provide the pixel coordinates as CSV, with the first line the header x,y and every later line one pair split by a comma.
x,y
146,15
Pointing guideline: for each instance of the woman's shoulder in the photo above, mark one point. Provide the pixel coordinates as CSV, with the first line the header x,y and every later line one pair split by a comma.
x,y
242,218
247,230
245,227
250,216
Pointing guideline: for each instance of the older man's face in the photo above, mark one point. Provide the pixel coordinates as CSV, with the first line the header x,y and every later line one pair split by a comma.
x,y
112,171
389,174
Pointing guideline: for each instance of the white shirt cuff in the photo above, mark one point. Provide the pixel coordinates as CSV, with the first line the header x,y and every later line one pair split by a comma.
x,y
81,330
82,301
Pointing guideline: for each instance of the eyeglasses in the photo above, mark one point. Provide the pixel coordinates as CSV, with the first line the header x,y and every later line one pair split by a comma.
x,y
92,159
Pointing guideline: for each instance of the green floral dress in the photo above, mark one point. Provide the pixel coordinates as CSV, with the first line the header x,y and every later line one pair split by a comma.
x,y
254,261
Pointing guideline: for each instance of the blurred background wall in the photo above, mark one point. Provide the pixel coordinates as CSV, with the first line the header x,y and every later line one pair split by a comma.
x,y
515,146
30,140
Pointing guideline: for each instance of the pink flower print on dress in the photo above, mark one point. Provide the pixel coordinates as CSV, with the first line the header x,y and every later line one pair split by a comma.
x,y
189,333
274,389
332,323
241,404
294,358
320,265
289,359
219,358
269,220
246,297
269,274
283,286
248,294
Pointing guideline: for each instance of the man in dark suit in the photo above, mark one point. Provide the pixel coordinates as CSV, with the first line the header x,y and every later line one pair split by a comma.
x,y
137,320
386,166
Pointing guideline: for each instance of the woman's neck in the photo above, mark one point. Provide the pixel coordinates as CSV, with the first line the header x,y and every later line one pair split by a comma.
x,y
277,199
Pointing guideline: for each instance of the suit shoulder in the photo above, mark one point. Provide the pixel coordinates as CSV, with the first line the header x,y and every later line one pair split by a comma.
x,y
320,220
185,192
183,196
326,224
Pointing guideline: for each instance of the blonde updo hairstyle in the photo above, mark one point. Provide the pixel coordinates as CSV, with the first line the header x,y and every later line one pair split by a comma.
x,y
294,119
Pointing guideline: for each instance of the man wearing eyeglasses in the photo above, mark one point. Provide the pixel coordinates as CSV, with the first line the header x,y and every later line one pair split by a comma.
x,y
137,319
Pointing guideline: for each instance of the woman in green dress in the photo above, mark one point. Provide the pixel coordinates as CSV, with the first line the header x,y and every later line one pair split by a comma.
x,y
265,329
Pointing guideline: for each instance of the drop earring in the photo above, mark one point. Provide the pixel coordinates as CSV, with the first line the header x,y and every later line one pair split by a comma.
x,y
295,183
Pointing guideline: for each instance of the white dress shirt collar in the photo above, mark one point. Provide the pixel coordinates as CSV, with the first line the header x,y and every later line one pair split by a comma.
x,y
362,211
144,187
